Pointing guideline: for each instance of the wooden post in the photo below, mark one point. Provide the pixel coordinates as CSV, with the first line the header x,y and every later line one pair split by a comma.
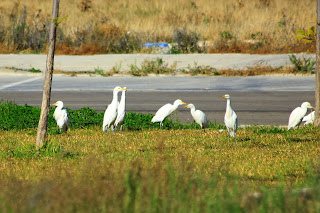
x,y
317,92
43,122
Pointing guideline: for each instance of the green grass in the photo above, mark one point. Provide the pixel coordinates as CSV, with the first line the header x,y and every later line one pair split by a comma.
x,y
145,169
160,170
302,65
99,71
13,116
34,70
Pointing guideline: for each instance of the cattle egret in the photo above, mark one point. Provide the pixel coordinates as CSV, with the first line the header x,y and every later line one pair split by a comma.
x,y
308,119
199,116
110,114
165,111
230,119
61,116
121,110
297,115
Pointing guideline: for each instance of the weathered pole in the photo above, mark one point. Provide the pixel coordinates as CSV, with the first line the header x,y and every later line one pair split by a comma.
x,y
45,107
317,92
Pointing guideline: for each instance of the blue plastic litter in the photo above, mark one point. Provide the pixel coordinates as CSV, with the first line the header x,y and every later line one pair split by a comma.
x,y
162,45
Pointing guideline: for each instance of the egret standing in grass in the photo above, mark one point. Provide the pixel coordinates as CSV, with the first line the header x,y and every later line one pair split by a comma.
x,y
111,112
121,110
61,116
297,115
230,119
198,116
165,111
308,119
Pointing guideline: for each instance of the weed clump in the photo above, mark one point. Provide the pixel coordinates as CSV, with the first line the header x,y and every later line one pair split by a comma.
x,y
152,67
185,42
200,70
304,65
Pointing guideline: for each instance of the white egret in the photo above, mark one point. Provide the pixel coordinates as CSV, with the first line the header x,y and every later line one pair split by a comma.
x,y
121,110
199,116
230,119
110,114
165,111
308,119
297,114
61,116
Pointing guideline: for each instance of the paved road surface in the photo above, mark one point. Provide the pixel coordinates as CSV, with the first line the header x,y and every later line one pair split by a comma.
x,y
257,100
259,83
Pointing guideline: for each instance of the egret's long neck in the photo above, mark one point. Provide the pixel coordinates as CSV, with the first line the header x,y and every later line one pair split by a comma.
x,y
175,106
123,98
305,109
193,109
228,108
115,98
60,107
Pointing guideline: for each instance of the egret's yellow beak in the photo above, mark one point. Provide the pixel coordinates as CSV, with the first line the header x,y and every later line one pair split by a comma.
x,y
186,106
223,96
124,88
183,102
54,104
311,107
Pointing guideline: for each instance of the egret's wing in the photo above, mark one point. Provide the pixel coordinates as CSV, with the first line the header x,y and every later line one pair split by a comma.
x,y
235,117
65,118
62,118
232,120
308,119
120,118
200,117
296,117
162,113
110,115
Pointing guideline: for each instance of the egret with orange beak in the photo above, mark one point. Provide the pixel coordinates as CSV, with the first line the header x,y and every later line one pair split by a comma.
x,y
165,111
297,115
61,116
198,116
230,119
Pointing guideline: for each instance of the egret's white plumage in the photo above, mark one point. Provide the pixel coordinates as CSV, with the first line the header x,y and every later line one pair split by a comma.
x,y
165,111
308,119
61,116
121,110
297,115
198,116
110,114
230,119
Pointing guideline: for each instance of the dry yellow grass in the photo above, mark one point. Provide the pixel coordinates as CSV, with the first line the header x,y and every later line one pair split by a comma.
x,y
275,21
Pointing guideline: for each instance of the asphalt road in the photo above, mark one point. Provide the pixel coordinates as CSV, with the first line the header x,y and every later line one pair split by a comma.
x,y
264,100
176,83
257,100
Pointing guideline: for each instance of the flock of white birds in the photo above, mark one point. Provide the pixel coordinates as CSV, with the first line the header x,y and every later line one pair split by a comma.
x,y
116,112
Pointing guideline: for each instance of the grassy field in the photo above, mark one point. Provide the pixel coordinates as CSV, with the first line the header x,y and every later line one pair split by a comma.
x,y
268,170
97,26
147,169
